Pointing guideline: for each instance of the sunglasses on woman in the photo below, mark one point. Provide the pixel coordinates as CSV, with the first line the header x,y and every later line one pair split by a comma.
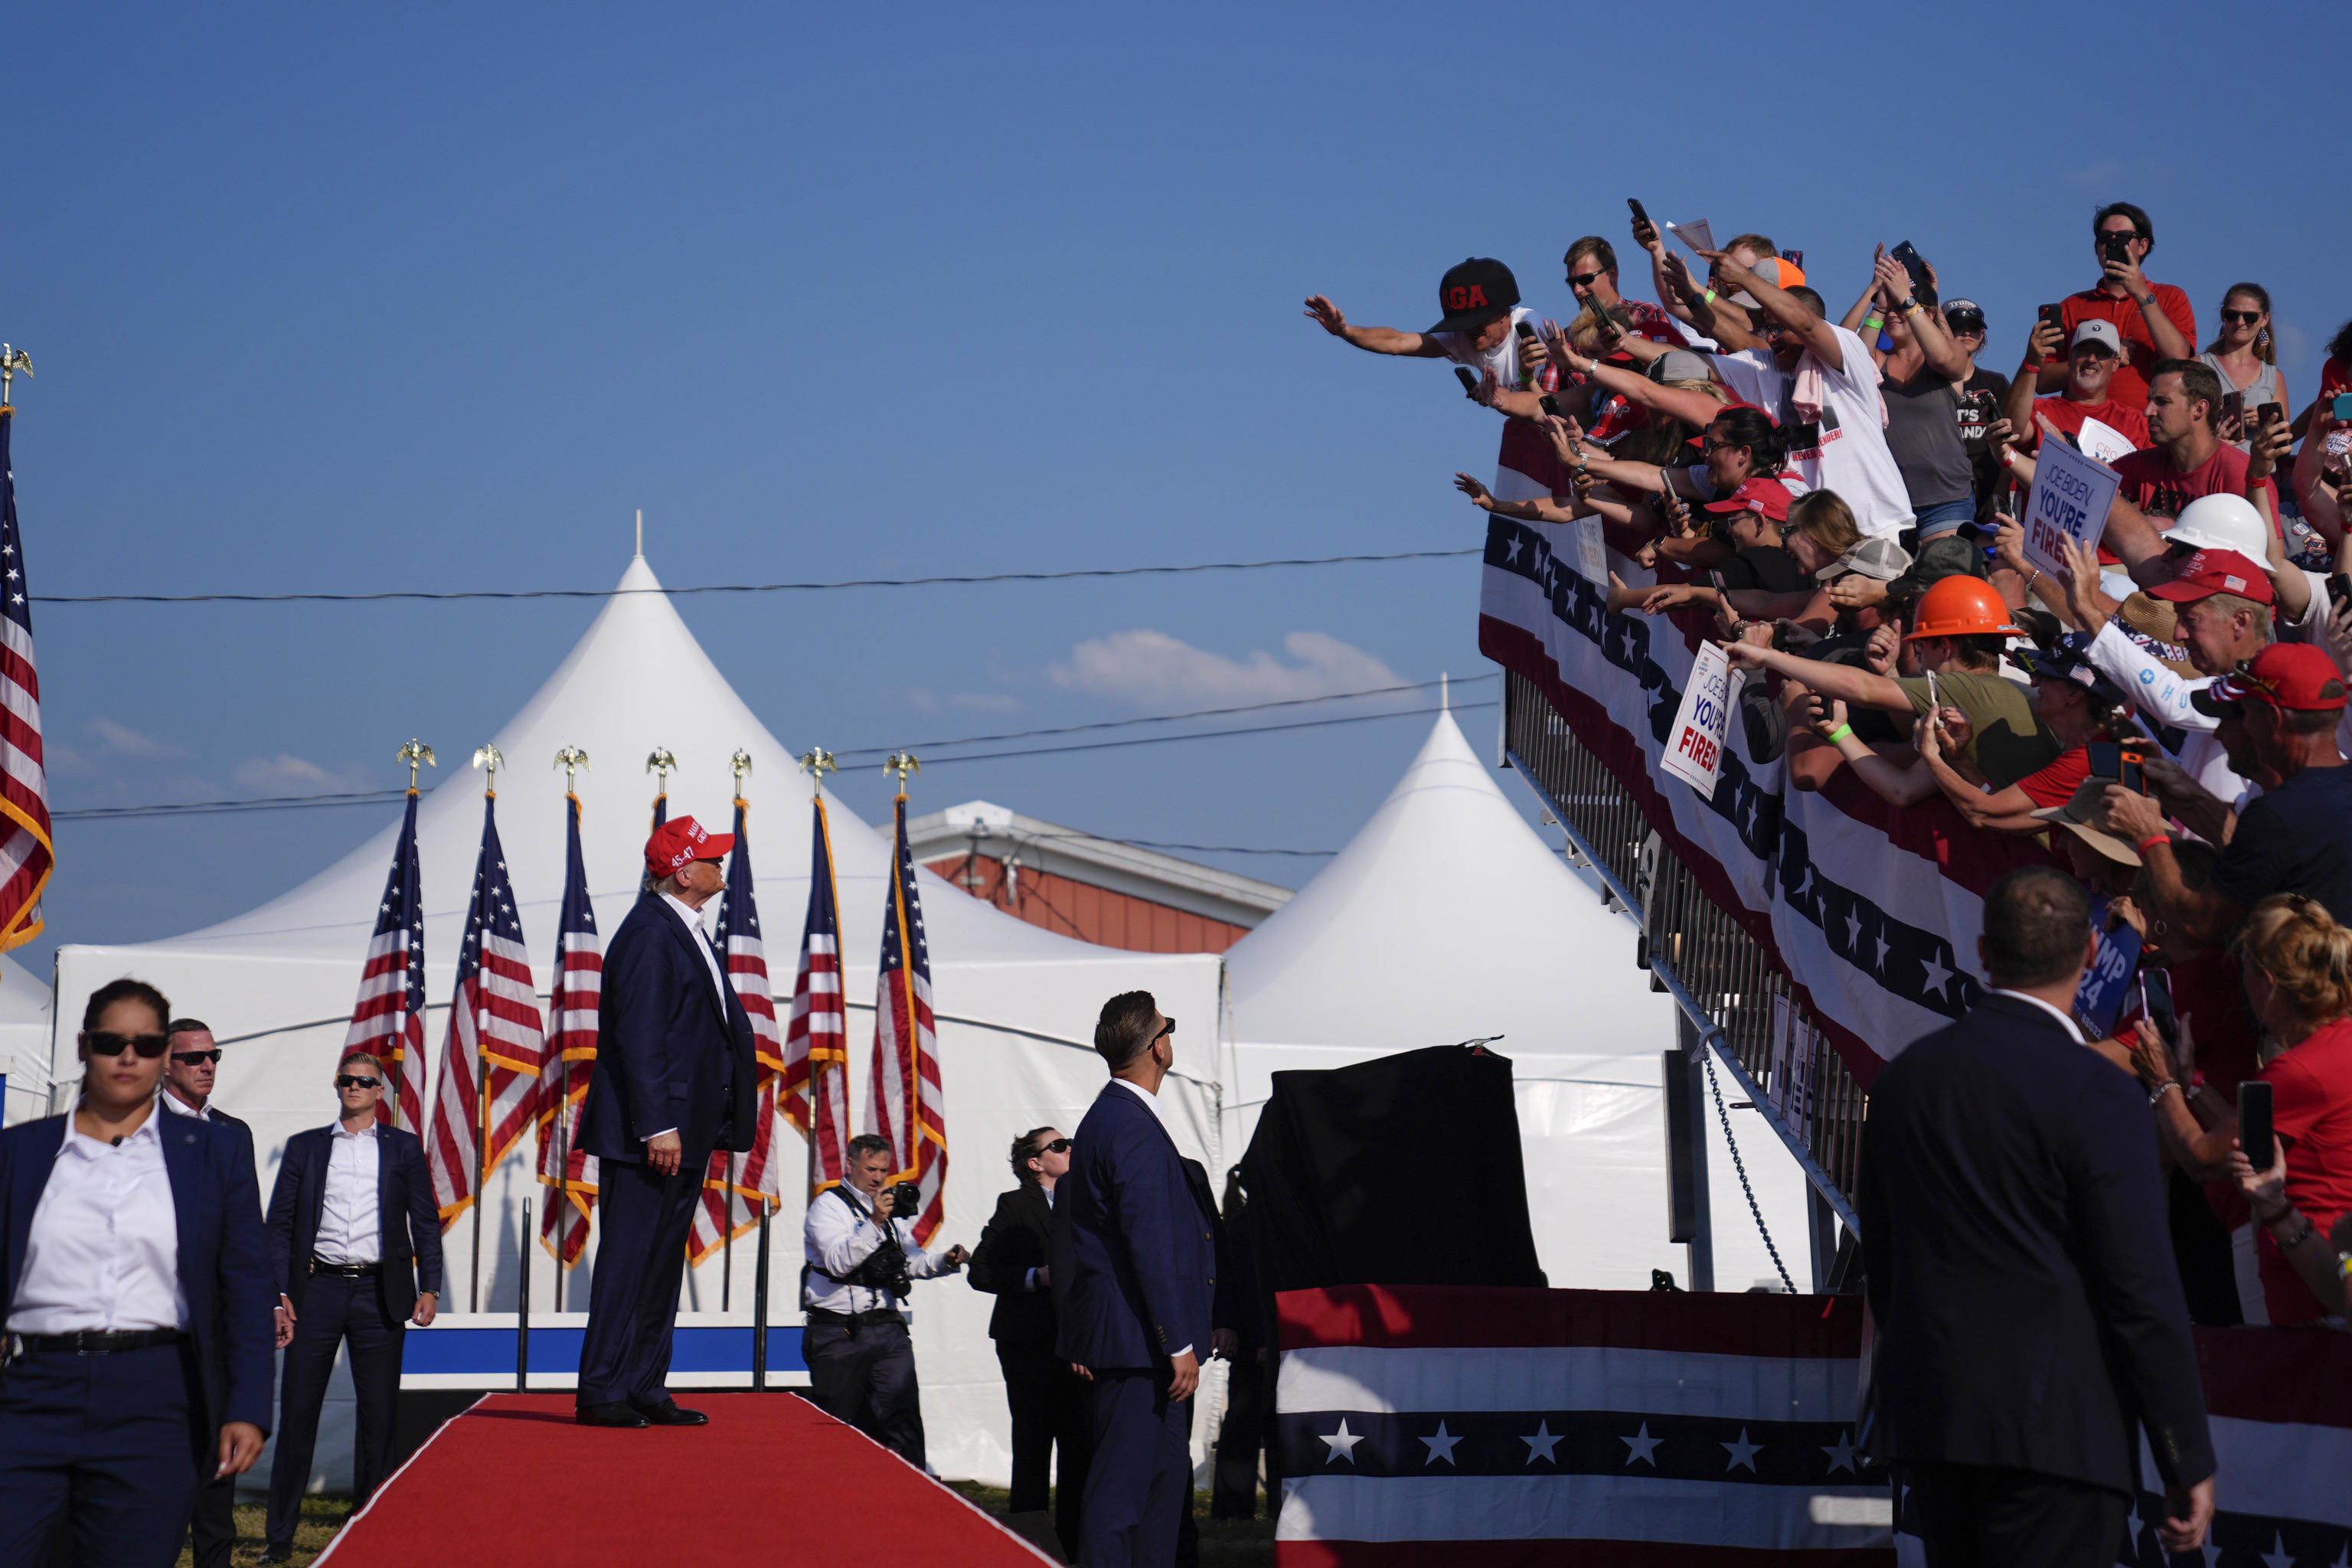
x,y
2243,318
1058,1146
106,1043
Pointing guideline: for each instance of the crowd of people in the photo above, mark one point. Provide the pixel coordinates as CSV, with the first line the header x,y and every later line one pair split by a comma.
x,y
1835,500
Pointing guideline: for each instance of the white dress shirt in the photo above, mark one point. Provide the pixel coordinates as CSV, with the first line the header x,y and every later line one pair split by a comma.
x,y
693,920
104,1252
2071,1032
837,1237
178,1107
351,1218
1151,1098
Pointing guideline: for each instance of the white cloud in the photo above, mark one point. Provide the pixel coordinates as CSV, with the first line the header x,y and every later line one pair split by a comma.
x,y
1151,669
286,773
115,739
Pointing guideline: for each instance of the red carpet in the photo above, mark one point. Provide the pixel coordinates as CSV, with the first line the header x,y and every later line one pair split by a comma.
x,y
772,1478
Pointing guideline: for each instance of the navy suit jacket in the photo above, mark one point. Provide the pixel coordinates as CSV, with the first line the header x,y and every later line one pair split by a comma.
x,y
2020,1272
667,1051
224,1263
1135,1262
408,1223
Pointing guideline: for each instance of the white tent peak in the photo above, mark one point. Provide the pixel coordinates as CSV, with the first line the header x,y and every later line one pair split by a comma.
x,y
636,679
1446,882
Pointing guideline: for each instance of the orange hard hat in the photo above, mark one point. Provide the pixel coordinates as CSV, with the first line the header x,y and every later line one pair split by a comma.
x,y
1961,606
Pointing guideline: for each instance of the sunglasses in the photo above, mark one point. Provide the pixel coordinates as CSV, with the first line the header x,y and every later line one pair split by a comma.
x,y
190,1058
1058,1146
1167,1028
353,1081
106,1043
1964,324
2244,317
1582,279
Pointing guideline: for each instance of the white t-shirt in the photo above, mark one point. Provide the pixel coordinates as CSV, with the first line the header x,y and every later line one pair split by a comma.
x,y
1852,458
1503,359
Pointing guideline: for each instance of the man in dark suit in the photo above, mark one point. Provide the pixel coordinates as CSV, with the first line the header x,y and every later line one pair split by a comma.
x,y
673,1082
190,1068
2029,1318
355,1243
138,1292
1134,1277
1047,1399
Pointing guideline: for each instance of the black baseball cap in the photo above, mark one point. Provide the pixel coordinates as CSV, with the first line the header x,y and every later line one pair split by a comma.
x,y
1473,293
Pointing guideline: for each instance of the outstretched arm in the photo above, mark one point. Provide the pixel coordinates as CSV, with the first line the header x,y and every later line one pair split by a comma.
x,y
1373,340
1782,307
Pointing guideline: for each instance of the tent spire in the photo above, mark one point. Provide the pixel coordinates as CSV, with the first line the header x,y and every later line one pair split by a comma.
x,y
1443,703
641,533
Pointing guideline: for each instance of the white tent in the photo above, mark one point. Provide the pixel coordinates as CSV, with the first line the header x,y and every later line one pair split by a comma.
x,y
1446,918
1016,1004
27,1023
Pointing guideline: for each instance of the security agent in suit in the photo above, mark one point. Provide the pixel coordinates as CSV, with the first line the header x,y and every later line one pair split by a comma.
x,y
1134,1274
355,1245
137,1306
2031,1319
673,1082
859,1256
1047,1399
190,1067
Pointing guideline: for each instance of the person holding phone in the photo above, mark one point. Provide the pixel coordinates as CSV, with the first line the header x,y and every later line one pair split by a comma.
x,y
2245,355
2296,960
2323,1258
2093,352
2155,320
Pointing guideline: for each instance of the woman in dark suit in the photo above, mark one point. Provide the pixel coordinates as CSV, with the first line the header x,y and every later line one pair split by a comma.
x,y
1047,1399
138,1289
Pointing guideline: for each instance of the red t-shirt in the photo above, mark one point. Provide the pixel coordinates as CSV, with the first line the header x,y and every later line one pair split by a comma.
x,y
2335,376
2068,415
2056,785
2130,384
2152,484
2311,1108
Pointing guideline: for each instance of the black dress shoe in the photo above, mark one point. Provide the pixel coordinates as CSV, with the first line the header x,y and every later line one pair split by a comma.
x,y
613,1415
669,1413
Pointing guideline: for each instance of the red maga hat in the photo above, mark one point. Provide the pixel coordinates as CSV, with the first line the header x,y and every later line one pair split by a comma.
x,y
1757,494
2293,676
2212,572
681,839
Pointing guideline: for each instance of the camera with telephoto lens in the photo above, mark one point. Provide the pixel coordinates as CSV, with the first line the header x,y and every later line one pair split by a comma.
x,y
906,1200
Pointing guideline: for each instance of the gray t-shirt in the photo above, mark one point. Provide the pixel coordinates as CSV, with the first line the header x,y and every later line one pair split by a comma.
x,y
1923,431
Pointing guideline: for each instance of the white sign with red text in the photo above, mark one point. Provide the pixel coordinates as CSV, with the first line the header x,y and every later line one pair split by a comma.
x,y
1694,746
2070,497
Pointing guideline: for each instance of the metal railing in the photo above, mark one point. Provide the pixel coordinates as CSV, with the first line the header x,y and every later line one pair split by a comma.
x,y
1717,974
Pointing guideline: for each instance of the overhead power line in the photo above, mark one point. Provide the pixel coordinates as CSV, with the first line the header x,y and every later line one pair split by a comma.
x,y
938,581
380,796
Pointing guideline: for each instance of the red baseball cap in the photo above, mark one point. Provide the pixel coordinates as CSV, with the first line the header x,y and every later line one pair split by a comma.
x,y
681,839
2212,572
2296,677
1756,493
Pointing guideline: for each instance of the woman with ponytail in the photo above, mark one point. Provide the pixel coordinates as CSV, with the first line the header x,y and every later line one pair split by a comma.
x,y
2296,963
2245,356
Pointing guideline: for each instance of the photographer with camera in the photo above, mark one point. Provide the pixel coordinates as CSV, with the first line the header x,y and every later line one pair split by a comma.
x,y
862,1260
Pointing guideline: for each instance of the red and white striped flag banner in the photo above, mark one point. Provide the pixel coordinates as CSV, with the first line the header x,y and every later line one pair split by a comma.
x,y
908,1107
494,1035
569,1174
815,1082
388,1019
739,1186
26,856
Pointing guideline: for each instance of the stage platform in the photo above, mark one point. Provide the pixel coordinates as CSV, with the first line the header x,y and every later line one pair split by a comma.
x,y
514,1480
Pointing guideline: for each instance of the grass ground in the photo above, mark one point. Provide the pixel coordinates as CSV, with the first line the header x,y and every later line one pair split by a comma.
x,y
322,1517
1224,1543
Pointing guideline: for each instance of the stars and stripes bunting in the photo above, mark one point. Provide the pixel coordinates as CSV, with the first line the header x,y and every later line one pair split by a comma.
x,y
568,1172
739,1186
907,1106
1438,1425
494,1031
388,1019
27,855
815,1086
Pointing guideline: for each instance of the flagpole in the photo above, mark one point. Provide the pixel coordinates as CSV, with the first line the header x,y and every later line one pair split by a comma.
x,y
413,753
739,765
903,762
569,759
488,758
816,763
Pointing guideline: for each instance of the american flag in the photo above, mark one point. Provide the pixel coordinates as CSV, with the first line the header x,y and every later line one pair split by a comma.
x,y
494,1023
388,1019
732,1197
817,1040
909,1108
572,1048
1444,1425
27,856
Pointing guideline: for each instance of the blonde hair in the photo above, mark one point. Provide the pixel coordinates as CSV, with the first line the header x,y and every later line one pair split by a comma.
x,y
1663,440
1823,517
2296,944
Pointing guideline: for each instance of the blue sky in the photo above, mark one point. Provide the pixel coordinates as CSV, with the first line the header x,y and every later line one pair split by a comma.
x,y
433,298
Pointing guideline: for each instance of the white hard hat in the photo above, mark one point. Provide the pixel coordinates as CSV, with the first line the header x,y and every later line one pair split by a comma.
x,y
2223,522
